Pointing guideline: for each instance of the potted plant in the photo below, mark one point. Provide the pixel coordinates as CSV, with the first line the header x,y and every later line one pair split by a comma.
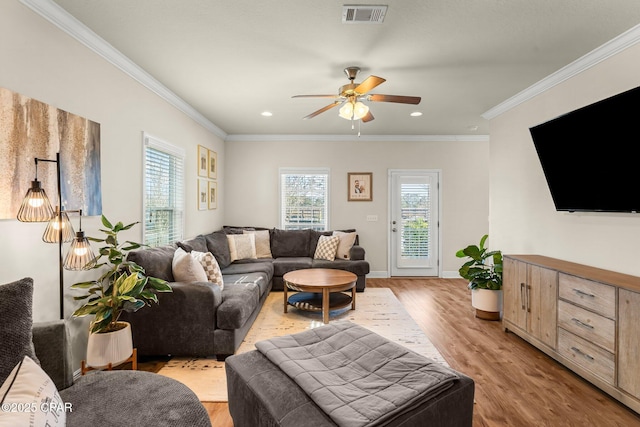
x,y
483,270
123,286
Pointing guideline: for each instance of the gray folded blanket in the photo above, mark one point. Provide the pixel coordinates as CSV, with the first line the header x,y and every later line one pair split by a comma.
x,y
357,377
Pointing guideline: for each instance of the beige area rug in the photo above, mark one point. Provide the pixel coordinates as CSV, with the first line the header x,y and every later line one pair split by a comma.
x,y
377,309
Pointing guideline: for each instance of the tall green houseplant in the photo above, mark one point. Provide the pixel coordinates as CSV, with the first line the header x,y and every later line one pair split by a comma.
x,y
123,286
481,273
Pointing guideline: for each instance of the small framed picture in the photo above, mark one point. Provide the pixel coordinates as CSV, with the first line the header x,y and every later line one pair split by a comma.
x,y
213,164
203,161
203,194
360,186
213,195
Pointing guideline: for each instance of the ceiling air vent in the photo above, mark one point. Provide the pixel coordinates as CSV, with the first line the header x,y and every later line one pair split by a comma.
x,y
363,14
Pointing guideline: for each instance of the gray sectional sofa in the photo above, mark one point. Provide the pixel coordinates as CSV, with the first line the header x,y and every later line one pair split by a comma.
x,y
199,318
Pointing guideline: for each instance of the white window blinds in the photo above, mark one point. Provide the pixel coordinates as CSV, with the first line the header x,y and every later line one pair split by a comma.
x,y
304,199
163,192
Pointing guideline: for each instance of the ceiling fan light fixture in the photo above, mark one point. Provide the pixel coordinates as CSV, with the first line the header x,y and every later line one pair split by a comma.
x,y
346,111
359,110
353,110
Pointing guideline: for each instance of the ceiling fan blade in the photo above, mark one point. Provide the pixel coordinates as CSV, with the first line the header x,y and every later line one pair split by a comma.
x,y
394,98
368,117
315,96
322,110
368,84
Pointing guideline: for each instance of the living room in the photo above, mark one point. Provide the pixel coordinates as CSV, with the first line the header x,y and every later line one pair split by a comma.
x,y
490,183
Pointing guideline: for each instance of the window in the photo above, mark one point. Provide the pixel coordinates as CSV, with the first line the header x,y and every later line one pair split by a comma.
x,y
163,192
304,199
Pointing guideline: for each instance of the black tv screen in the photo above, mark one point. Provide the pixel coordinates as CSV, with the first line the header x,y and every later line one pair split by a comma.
x,y
591,156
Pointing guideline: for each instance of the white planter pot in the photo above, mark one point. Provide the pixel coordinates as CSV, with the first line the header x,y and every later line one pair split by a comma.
x,y
488,303
109,348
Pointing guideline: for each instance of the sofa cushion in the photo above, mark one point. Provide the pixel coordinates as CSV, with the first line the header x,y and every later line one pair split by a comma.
x,y
196,244
283,265
246,266
218,245
326,248
155,261
357,267
315,235
263,242
28,386
260,278
290,243
242,246
211,267
239,300
347,240
16,301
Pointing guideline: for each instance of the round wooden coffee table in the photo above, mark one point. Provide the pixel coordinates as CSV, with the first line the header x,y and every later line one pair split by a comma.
x,y
320,289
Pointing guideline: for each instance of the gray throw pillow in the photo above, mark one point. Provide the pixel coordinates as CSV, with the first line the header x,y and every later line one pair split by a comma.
x,y
16,322
218,245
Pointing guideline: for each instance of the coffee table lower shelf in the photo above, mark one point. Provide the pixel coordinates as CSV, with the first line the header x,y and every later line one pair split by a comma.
x,y
311,301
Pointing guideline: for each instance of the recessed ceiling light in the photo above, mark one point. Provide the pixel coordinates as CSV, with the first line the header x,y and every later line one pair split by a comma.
x,y
416,114
267,113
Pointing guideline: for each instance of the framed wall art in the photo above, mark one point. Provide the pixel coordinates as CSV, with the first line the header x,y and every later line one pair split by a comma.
x,y
203,161
213,164
213,195
360,186
203,194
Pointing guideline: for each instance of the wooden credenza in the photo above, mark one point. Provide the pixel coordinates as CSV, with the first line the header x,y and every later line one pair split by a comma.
x,y
584,317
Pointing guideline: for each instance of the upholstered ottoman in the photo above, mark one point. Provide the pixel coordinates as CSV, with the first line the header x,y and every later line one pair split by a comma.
x,y
263,394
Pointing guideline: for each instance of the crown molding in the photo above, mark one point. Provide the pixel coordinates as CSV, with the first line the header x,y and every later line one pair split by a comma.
x,y
59,17
612,47
343,138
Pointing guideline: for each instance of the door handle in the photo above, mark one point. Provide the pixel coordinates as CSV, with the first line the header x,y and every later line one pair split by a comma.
x,y
522,296
394,230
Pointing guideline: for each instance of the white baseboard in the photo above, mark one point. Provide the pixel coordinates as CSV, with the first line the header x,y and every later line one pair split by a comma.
x,y
385,275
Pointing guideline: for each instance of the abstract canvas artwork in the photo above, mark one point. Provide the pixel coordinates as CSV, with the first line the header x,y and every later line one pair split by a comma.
x,y
31,129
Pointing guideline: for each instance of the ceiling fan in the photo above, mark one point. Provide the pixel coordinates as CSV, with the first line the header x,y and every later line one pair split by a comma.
x,y
351,95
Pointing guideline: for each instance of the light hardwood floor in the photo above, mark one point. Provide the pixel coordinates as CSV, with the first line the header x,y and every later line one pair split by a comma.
x,y
515,384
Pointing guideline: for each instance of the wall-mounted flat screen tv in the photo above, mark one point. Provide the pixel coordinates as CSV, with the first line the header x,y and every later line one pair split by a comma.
x,y
591,156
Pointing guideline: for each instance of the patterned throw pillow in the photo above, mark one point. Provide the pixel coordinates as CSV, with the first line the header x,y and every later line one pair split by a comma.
x,y
211,267
346,242
327,247
242,246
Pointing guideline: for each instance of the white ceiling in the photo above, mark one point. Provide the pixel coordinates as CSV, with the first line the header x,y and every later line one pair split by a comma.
x,y
233,59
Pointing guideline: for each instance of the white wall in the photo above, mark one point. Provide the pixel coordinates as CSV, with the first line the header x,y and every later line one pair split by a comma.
x,y
42,62
251,181
523,217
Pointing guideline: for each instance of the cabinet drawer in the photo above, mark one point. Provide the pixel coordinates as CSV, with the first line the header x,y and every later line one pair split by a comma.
x,y
587,355
590,326
595,296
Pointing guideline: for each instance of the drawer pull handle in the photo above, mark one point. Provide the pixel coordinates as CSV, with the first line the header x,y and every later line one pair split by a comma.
x,y
581,323
583,293
582,353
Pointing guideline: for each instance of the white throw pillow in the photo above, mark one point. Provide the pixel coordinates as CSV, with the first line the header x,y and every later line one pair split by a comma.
x,y
29,398
327,247
186,268
263,242
242,246
346,242
211,267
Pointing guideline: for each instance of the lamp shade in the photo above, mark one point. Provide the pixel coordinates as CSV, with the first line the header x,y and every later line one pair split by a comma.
x,y
346,111
59,221
36,206
80,255
359,110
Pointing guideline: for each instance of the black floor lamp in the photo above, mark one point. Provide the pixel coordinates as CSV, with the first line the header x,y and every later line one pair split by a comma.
x,y
36,207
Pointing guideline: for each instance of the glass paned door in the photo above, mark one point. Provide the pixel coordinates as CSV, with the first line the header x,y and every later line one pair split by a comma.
x,y
414,223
